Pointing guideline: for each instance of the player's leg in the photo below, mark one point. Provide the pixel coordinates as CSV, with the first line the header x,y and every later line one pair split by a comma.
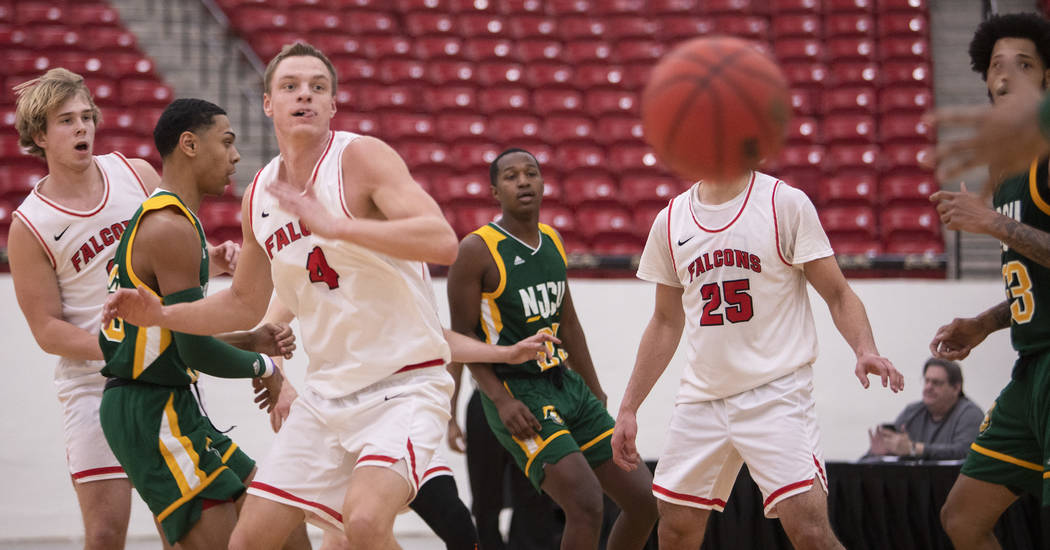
x,y
971,511
486,465
105,507
572,484
367,520
805,519
439,505
681,526
264,524
213,528
632,492
297,539
334,540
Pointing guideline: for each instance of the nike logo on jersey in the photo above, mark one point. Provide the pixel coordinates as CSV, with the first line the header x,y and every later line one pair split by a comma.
x,y
518,260
389,397
683,241
265,214
59,236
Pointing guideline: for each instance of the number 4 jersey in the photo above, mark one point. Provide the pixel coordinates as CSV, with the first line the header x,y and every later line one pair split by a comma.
x,y
739,263
363,315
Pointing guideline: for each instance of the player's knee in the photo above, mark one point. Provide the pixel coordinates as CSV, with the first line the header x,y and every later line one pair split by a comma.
x,y
642,508
239,540
955,523
364,529
674,533
584,508
811,536
103,536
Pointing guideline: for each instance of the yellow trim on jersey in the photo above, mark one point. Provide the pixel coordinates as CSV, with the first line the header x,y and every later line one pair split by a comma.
x,y
550,232
491,321
540,445
592,442
185,448
187,496
1033,188
229,452
155,202
150,342
1006,458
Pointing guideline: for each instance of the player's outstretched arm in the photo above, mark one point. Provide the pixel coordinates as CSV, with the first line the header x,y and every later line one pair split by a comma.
x,y
410,224
955,340
36,288
466,349
239,307
659,342
851,320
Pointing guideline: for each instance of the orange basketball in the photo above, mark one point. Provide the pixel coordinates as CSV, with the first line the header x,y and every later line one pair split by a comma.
x,y
714,108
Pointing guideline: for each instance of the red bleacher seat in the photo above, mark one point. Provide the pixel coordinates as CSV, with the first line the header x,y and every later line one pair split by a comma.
x,y
103,91
797,26
37,13
559,217
481,25
795,157
603,220
404,125
911,98
850,128
532,26
46,37
475,6
849,24
620,7
18,179
851,48
7,12
367,97
269,44
499,73
906,156
854,157
655,190
638,51
630,157
561,129
853,246
360,22
488,49
538,49
903,24
552,191
353,69
518,7
626,27
806,179
803,129
744,26
548,101
858,100
799,49
806,74
250,20
420,155
644,216
905,73
493,100
904,47
429,23
612,129
401,71
674,28
93,16
922,220
855,221
130,146
451,127
104,38
438,47
357,122
601,102
446,98
383,46
757,7
854,73
542,75
450,72
315,20
617,245
914,188
457,190
471,156
860,6
905,127
812,7
577,156
571,7
465,219
511,128
12,37
580,28
144,92
672,7
216,213
145,119
636,75
915,244
590,188
803,102
25,62
848,189
583,51
599,75
422,5
919,6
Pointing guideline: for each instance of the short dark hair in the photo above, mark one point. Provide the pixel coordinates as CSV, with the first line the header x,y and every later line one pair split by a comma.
x,y
951,367
183,115
494,167
1029,26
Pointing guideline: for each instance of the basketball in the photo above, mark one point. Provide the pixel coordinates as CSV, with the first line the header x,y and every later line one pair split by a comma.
x,y
714,107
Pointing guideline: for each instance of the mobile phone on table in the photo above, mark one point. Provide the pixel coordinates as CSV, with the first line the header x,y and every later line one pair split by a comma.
x,y
888,427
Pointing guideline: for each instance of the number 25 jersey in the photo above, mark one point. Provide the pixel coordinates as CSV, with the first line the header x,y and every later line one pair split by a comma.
x,y
747,314
362,315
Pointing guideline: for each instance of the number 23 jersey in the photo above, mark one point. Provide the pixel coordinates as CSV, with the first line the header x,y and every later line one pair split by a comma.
x,y
362,315
747,314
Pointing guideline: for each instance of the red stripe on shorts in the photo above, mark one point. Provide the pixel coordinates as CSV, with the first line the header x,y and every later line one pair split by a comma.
x,y
820,470
412,463
423,365
437,469
289,496
785,489
689,498
376,457
98,472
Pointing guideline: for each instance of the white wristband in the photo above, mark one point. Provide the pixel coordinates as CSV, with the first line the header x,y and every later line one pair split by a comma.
x,y
269,367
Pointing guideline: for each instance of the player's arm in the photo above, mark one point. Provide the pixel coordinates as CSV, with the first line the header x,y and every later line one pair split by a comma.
x,y
851,320
36,288
166,251
575,343
955,340
147,174
456,441
465,278
413,227
239,307
659,342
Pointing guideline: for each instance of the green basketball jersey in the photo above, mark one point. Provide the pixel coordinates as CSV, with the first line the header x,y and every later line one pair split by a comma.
x,y
147,354
1026,199
527,301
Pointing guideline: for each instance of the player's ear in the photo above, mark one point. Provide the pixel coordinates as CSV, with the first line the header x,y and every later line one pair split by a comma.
x,y
268,106
188,144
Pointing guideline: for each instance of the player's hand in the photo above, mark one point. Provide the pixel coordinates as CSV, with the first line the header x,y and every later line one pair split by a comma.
x,y
223,258
625,453
538,346
955,340
137,306
280,410
456,441
869,363
306,206
273,339
1005,136
963,211
518,419
268,390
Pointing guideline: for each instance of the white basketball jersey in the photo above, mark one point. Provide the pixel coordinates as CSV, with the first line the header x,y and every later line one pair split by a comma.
x,y
747,313
81,245
363,315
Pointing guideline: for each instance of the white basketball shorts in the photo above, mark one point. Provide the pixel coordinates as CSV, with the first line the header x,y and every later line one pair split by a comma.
x,y
772,428
87,452
398,423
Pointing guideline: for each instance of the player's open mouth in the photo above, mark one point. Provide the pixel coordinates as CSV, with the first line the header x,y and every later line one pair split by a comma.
x,y
303,113
82,146
526,196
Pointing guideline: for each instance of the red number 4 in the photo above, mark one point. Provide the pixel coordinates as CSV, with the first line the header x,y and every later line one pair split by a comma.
x,y
738,302
320,271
